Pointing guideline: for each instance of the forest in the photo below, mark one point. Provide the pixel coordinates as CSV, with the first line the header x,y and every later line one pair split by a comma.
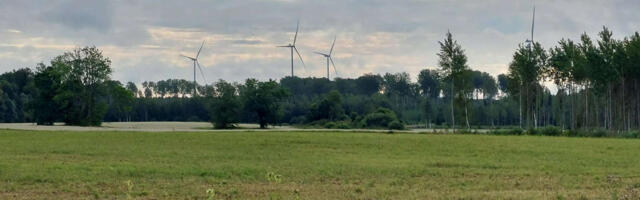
x,y
596,87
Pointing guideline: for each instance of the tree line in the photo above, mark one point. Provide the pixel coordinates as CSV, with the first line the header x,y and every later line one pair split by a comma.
x,y
597,87
597,83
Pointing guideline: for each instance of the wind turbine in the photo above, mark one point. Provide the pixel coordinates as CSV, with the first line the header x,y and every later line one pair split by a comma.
x,y
328,57
533,23
531,45
292,46
196,63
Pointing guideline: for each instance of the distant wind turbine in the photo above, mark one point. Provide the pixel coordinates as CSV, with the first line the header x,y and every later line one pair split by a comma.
x,y
196,63
292,46
328,57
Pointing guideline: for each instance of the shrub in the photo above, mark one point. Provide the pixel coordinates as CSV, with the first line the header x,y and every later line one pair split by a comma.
x,y
515,131
631,134
572,133
597,133
319,123
357,123
343,125
331,125
379,118
396,125
550,131
298,120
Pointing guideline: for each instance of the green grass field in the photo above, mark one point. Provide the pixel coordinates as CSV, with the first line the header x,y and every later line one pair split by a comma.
x,y
313,165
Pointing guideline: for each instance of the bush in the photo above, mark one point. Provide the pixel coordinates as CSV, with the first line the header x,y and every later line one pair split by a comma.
x,y
330,125
532,131
357,123
396,125
631,134
298,120
379,118
597,133
572,133
343,125
585,133
550,131
515,131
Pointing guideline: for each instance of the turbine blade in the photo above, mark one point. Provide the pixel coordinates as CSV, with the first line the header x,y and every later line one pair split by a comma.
x,y
187,57
201,73
533,21
332,44
299,56
295,37
334,66
319,53
282,46
200,49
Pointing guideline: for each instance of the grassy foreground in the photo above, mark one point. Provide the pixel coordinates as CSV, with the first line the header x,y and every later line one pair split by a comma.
x,y
313,165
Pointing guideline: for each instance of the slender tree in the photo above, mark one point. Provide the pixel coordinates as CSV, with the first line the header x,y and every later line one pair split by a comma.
x,y
453,69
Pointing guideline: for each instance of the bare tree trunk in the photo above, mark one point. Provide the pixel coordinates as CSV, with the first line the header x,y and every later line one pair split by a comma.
x,y
586,106
466,115
610,107
637,102
624,118
573,113
453,118
520,102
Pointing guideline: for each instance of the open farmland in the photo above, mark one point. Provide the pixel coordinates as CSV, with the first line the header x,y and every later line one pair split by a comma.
x,y
312,165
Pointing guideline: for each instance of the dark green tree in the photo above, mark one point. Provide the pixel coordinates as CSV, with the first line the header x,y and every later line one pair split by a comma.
x,y
262,100
82,90
225,107
329,108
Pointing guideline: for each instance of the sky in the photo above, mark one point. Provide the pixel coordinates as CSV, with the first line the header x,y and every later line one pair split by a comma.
x,y
145,38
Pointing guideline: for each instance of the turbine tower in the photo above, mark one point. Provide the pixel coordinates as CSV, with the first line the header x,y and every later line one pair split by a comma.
x,y
292,47
328,57
196,63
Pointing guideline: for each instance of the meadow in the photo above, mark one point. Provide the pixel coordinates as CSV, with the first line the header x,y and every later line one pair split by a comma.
x,y
313,165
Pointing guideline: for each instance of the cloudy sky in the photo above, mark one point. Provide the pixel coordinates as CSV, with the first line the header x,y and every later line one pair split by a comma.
x,y
145,38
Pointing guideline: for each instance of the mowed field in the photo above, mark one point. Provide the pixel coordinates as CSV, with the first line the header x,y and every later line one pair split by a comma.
x,y
313,165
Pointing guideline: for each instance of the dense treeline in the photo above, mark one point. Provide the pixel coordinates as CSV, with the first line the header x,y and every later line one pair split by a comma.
x,y
597,87
597,83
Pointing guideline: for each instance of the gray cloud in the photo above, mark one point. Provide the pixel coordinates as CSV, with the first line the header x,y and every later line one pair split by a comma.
x,y
144,38
79,14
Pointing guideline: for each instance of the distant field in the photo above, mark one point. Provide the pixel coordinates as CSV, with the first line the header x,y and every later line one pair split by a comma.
x,y
313,165
185,127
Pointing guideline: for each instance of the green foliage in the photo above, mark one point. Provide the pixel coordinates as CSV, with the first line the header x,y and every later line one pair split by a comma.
x,y
429,82
16,91
336,125
119,100
329,108
455,72
597,80
262,100
225,106
381,118
550,131
76,88
396,125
